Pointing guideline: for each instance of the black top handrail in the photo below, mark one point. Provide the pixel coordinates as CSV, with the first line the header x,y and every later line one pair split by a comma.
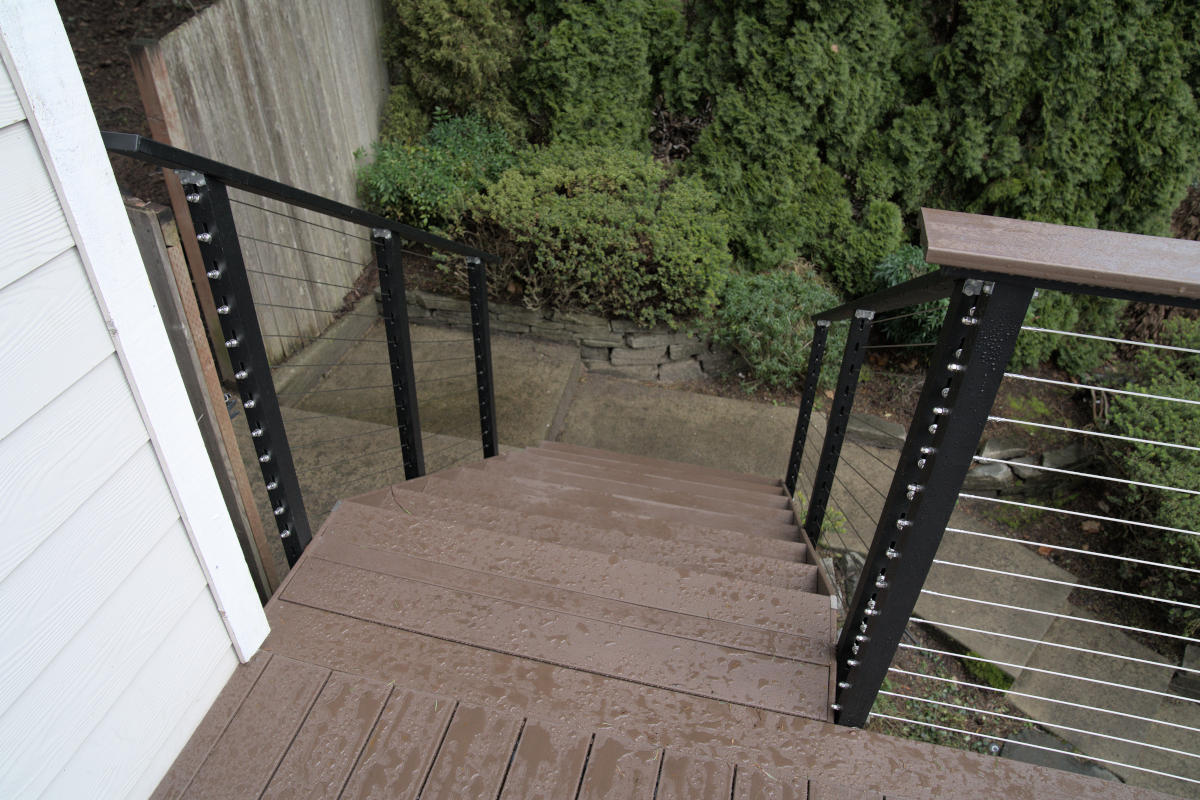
x,y
164,155
923,289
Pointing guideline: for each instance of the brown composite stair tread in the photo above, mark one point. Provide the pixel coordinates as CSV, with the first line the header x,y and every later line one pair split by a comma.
x,y
791,748
412,497
695,605
518,489
658,466
622,486
751,491
380,588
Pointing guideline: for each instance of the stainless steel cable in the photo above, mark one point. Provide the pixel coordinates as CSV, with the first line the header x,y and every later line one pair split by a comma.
x,y
1085,515
1123,481
1094,433
1154,345
1127,392
1076,550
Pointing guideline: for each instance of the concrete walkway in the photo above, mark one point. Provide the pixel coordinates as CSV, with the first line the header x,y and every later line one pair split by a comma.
x,y
344,441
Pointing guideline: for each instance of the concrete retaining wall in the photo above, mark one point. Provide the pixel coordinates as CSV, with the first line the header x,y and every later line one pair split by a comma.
x,y
287,89
611,347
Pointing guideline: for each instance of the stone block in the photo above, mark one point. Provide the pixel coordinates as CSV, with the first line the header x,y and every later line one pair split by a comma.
x,y
622,356
986,477
554,333
438,302
624,326
1003,447
687,349
639,341
593,353
1188,683
676,371
1027,473
719,362
612,340
1064,457
516,314
578,319
644,372
416,312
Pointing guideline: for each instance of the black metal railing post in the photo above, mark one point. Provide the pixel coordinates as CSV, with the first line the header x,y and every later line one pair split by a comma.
x,y
394,300
839,419
816,356
976,341
212,218
481,335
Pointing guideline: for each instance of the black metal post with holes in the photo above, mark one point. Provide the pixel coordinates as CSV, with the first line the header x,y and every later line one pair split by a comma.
x,y
482,336
399,343
839,419
976,341
212,217
816,356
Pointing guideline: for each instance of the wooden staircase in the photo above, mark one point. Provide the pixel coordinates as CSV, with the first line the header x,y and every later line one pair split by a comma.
x,y
561,622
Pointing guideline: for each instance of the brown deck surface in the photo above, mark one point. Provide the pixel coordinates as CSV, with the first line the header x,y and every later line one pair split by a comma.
x,y
563,623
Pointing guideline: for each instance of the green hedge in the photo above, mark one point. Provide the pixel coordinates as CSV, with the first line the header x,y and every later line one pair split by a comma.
x,y
604,229
767,319
1167,374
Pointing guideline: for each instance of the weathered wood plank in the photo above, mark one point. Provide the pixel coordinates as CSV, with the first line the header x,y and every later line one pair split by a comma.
x,y
94,427
330,740
618,770
35,229
1062,253
686,778
244,758
400,752
474,755
754,783
827,790
548,763
209,732
599,647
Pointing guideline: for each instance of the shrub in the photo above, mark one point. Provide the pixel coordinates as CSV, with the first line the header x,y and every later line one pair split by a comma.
x,y
1167,374
903,265
455,54
1068,312
604,229
588,76
767,318
431,183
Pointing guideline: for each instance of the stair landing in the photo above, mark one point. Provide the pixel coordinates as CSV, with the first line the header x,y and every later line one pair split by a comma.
x,y
562,623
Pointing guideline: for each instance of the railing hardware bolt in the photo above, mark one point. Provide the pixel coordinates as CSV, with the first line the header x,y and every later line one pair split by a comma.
x,y
901,524
279,511
970,321
914,489
241,374
836,706
249,403
272,486
194,197
946,392
941,411
285,533
844,684
955,367
881,582
928,451
933,429
213,274
921,463
222,310
958,353
854,649
265,458
852,662
862,638
892,553
257,432
231,343
204,237
862,626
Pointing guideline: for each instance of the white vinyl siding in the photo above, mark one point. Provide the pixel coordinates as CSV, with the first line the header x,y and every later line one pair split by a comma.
x,y
114,640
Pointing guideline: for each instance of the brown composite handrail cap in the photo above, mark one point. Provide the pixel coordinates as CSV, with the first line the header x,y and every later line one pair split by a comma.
x,y
1125,261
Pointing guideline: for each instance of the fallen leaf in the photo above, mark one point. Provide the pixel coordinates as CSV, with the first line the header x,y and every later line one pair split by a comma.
x,y
1090,526
1044,551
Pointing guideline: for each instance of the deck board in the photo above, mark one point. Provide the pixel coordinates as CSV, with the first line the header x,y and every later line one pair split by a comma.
x,y
616,769
686,778
401,749
548,763
474,755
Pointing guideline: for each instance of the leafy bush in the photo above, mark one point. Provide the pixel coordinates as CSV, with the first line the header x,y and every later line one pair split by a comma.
x,y
431,184
604,229
767,318
1068,312
588,76
1167,374
903,265
455,54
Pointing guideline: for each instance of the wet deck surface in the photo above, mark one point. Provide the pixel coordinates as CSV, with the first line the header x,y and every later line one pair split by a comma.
x,y
562,623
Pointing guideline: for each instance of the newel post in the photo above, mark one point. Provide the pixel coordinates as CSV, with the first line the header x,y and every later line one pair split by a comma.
x,y
974,347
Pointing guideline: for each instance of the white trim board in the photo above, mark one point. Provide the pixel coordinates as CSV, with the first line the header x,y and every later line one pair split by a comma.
x,y
40,61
